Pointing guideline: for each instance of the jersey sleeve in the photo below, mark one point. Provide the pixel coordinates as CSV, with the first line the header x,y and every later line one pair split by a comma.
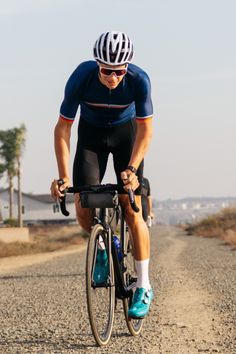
x,y
143,101
71,99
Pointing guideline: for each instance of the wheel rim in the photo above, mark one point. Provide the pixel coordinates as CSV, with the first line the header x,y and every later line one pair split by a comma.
x,y
100,300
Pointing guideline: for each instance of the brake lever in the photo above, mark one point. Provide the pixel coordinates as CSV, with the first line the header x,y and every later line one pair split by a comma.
x,y
62,200
132,200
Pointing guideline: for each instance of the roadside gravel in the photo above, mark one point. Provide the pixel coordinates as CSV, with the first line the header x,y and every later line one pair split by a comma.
x,y
214,264
43,306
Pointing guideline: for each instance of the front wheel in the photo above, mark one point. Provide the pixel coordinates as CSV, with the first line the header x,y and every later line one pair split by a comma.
x,y
130,277
100,297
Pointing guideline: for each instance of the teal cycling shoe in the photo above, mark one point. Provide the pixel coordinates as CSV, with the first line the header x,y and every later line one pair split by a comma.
x,y
141,303
101,267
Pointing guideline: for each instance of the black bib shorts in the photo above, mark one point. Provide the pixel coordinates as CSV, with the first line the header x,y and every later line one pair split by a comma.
x,y
93,148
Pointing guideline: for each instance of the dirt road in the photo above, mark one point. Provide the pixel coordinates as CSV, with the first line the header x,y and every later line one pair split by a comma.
x,y
43,305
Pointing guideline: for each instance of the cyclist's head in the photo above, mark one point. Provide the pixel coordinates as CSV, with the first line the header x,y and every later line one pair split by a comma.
x,y
113,48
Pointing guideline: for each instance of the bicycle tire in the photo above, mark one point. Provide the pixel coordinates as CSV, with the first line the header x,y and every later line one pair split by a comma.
x,y
134,325
100,300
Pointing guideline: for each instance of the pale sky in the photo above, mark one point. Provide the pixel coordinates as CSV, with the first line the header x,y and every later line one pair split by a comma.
x,y
187,47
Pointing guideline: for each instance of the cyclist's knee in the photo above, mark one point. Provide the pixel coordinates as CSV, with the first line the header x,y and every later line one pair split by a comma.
x,y
133,217
84,215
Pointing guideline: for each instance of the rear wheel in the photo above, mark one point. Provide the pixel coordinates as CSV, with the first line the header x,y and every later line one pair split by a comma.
x,y
130,276
100,298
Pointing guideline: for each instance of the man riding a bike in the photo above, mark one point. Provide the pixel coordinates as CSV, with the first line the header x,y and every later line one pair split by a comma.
x,y
115,117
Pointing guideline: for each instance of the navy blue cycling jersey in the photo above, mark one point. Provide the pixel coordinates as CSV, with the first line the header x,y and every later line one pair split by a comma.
x,y
104,107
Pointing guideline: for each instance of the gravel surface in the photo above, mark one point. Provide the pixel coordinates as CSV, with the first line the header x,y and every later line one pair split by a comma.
x,y
43,306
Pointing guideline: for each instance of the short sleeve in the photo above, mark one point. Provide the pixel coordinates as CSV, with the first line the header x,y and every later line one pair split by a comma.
x,y
71,99
143,101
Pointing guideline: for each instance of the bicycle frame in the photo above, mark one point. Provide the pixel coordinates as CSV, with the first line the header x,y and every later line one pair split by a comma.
x,y
121,290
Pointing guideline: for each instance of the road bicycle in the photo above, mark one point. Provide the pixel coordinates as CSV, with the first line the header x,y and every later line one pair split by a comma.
x,y
108,223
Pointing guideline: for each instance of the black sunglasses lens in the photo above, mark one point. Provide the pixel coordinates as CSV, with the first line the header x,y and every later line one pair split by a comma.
x,y
108,72
120,72
105,71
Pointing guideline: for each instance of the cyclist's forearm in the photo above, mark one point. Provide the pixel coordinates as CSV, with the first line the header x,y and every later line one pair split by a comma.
x,y
149,205
62,150
142,142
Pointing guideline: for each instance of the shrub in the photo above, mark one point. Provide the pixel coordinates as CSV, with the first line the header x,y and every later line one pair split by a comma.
x,y
11,222
221,225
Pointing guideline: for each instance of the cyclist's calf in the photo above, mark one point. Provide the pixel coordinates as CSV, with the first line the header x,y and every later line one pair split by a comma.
x,y
138,227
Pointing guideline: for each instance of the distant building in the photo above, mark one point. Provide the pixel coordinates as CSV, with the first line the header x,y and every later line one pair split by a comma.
x,y
188,210
36,208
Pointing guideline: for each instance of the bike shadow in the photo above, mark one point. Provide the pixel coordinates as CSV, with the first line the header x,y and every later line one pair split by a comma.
x,y
46,276
60,344
48,345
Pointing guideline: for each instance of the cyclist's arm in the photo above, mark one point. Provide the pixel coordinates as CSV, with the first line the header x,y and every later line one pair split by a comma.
x,y
62,131
150,212
144,113
141,144
62,134
142,141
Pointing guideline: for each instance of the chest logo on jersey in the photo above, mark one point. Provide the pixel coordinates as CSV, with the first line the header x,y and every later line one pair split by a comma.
x,y
106,105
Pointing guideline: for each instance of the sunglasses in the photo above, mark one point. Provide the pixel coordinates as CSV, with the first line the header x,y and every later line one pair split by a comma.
x,y
108,72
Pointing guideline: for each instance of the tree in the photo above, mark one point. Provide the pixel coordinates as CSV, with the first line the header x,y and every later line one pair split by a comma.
x,y
19,146
12,143
7,153
2,169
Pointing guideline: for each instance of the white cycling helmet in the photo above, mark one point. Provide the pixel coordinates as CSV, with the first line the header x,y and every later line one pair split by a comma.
x,y
113,48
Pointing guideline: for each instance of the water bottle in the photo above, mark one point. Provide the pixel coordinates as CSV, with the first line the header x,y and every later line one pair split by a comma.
x,y
118,247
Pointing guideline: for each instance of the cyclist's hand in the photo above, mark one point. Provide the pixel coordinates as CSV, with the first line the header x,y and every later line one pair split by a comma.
x,y
130,180
56,190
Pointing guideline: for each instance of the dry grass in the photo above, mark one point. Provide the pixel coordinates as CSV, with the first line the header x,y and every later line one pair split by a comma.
x,y
221,225
45,239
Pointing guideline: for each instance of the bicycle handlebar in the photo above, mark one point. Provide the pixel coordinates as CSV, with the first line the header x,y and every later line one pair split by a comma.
x,y
96,188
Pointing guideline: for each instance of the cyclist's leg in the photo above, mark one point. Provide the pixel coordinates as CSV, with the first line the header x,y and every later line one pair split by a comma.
x,y
140,235
138,227
89,165
129,276
123,140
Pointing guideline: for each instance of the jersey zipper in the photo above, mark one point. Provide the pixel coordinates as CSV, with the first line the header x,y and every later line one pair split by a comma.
x,y
109,98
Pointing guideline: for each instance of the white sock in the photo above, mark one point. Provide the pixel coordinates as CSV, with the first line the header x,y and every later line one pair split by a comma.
x,y
142,273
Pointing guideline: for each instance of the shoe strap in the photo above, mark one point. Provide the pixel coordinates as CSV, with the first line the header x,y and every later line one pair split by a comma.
x,y
147,297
